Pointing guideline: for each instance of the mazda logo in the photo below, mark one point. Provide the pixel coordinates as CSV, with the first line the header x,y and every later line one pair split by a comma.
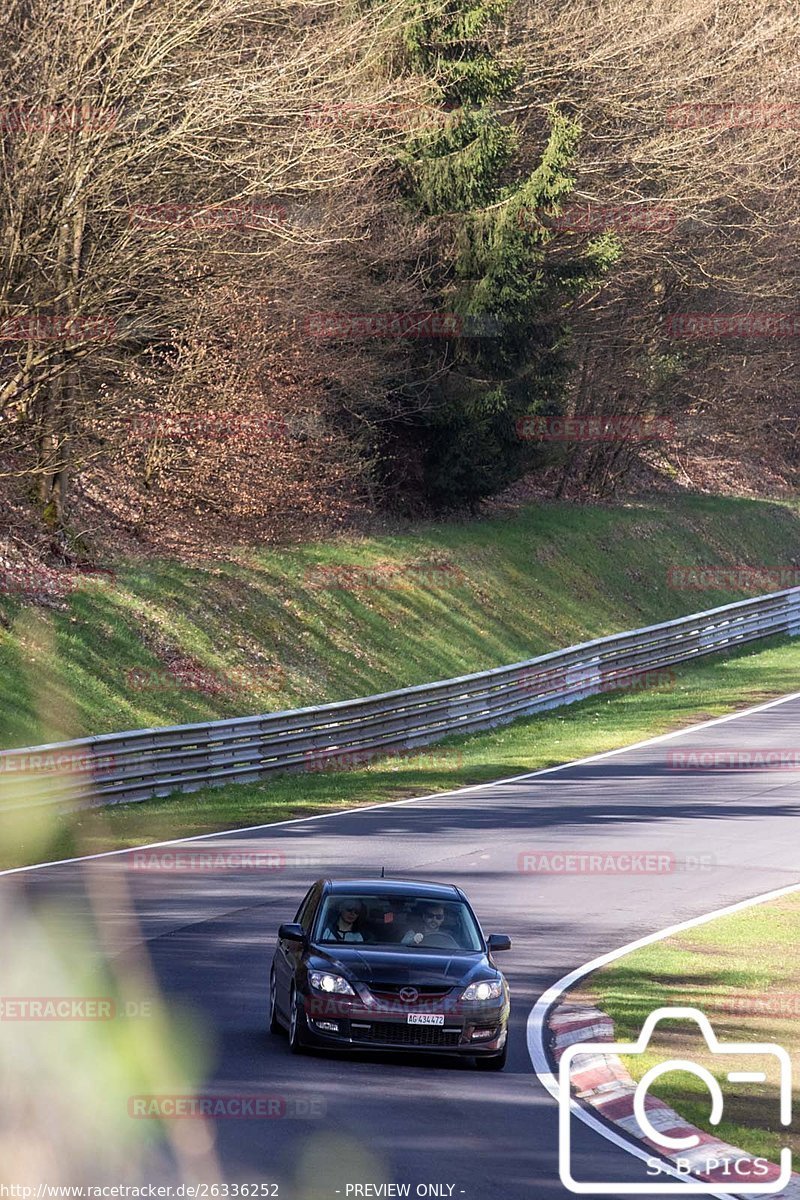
x,y
409,995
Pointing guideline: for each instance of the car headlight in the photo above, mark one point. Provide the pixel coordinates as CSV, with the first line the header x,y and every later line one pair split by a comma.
x,y
487,989
324,981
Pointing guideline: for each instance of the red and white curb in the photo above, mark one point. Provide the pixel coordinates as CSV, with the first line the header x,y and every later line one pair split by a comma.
x,y
602,1082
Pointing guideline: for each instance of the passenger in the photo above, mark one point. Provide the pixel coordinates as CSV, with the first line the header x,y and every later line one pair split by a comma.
x,y
342,930
432,916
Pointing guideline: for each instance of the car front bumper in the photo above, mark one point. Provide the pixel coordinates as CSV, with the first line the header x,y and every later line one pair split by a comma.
x,y
477,1029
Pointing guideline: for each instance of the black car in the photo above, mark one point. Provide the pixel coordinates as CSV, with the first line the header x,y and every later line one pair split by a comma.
x,y
390,964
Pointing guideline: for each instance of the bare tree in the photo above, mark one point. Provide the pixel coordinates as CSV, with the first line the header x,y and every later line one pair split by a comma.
x,y
151,150
690,114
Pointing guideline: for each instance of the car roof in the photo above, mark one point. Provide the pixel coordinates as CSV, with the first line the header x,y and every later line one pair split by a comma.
x,y
404,887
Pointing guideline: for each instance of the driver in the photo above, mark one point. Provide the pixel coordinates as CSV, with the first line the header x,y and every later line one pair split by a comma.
x,y
432,916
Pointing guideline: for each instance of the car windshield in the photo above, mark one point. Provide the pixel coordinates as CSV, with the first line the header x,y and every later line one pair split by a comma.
x,y
410,922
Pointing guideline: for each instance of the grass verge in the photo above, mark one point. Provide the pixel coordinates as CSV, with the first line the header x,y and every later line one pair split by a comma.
x,y
162,642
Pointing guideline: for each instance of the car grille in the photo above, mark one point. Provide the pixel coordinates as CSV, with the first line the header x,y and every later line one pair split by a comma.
x,y
395,1034
391,992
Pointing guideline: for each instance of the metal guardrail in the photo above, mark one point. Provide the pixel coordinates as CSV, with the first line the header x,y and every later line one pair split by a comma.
x,y
138,765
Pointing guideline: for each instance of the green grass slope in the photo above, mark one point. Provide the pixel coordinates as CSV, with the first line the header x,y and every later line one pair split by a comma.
x,y
163,642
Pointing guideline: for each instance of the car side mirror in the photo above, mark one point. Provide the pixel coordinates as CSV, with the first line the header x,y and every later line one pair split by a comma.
x,y
292,932
498,941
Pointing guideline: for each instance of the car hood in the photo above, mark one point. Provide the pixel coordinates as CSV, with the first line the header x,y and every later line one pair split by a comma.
x,y
402,966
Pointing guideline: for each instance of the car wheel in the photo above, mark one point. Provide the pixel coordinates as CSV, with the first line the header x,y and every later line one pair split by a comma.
x,y
297,1020
495,1063
274,1023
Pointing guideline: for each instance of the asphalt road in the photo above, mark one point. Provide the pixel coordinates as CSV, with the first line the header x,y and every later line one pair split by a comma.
x,y
208,935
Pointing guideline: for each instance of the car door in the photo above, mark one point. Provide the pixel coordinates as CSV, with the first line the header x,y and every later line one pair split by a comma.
x,y
288,954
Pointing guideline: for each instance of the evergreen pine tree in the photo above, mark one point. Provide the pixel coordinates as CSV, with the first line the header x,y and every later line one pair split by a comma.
x,y
510,294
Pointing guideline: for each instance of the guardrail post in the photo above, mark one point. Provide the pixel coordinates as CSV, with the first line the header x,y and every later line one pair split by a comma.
x,y
793,613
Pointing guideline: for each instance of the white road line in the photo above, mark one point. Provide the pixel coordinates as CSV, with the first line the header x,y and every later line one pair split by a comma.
x,y
474,787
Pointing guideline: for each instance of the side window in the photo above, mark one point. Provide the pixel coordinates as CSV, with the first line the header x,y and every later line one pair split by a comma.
x,y
307,910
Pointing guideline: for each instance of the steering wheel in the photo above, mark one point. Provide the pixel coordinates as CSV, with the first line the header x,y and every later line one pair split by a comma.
x,y
445,940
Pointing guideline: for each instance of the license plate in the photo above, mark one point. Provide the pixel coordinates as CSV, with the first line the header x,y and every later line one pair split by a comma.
x,y
426,1018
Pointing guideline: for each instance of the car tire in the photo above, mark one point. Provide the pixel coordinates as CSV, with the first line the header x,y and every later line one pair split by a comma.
x,y
297,1024
274,1024
495,1063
